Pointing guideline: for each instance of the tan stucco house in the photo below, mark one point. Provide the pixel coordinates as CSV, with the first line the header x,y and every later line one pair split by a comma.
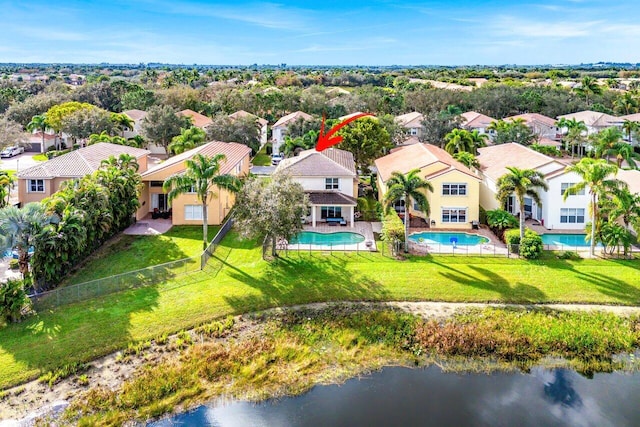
x,y
186,209
42,180
455,200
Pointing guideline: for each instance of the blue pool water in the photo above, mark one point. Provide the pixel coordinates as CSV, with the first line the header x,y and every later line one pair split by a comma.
x,y
565,240
444,238
327,239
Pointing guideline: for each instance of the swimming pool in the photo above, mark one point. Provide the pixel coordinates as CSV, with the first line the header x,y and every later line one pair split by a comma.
x,y
565,240
446,238
327,239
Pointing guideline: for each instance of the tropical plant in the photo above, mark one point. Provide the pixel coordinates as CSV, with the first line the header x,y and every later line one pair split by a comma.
x,y
521,182
105,137
605,141
408,188
188,139
576,131
499,220
547,150
393,230
626,104
588,88
531,245
19,228
122,122
467,159
38,123
6,182
630,127
624,206
515,130
459,140
14,301
202,177
624,152
613,236
597,175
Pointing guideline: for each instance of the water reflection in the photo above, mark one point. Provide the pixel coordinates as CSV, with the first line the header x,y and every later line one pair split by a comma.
x,y
429,397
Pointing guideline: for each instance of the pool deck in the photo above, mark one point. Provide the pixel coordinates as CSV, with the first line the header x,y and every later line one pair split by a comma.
x,y
494,247
360,227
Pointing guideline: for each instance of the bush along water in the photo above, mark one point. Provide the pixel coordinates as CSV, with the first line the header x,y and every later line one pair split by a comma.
x,y
292,351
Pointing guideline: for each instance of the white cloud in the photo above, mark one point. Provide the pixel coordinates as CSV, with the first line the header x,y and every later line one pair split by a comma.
x,y
512,26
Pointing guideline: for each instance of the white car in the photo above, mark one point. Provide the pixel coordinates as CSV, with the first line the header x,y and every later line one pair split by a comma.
x,y
12,151
276,158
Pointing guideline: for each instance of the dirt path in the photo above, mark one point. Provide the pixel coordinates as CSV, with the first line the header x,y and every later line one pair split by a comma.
x,y
111,371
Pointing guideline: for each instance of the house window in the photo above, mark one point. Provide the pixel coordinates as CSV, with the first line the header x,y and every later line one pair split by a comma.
x,y
454,215
238,168
572,216
565,185
156,183
193,212
416,206
36,186
454,189
192,190
413,131
331,183
330,212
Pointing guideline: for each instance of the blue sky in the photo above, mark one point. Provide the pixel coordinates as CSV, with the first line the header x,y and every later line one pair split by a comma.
x,y
375,32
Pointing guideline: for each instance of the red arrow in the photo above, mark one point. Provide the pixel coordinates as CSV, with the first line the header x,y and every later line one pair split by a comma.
x,y
327,140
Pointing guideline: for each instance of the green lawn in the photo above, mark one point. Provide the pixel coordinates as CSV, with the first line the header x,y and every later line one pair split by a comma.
x,y
262,159
127,253
238,281
40,157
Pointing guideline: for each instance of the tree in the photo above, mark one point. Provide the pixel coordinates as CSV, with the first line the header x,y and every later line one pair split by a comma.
x,y
521,182
292,146
467,159
13,300
409,187
588,88
122,122
58,113
19,228
626,104
575,135
271,210
244,130
80,124
437,124
366,139
630,127
512,131
137,100
188,139
625,153
161,124
202,176
459,140
605,141
38,123
6,182
597,175
105,137
624,206
11,133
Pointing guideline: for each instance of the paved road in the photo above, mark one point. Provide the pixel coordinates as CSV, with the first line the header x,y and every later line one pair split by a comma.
x,y
18,163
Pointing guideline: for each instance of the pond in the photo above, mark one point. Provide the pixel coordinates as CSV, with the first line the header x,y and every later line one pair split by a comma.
x,y
430,397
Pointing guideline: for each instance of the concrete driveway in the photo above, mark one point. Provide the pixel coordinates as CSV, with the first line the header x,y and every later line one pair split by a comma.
x,y
18,163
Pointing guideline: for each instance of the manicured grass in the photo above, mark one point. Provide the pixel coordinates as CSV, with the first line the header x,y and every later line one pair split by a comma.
x,y
40,157
237,280
128,253
262,159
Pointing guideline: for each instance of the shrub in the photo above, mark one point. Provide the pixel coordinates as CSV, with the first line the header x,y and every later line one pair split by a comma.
x,y
547,150
531,245
499,220
512,237
568,255
392,230
14,302
14,264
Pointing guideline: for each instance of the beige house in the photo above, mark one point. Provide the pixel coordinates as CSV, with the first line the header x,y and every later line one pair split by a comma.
x,y
262,123
137,116
186,209
412,122
541,126
42,180
454,202
198,120
472,120
594,120
329,178
279,128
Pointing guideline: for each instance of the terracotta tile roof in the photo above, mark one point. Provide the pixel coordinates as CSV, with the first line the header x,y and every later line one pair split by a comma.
x,y
594,118
548,142
631,117
135,115
331,198
81,162
418,156
495,159
632,178
474,120
37,137
413,119
233,151
533,118
198,120
242,113
292,117
329,162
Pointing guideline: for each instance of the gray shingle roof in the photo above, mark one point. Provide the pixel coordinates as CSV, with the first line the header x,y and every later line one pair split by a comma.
x,y
330,198
81,162
329,162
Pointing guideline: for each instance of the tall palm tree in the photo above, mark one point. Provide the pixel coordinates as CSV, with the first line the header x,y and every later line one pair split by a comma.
x,y
459,140
122,122
576,131
407,188
201,176
6,181
597,175
478,140
630,127
38,123
625,152
521,182
188,139
625,206
605,140
19,228
467,159
626,104
589,87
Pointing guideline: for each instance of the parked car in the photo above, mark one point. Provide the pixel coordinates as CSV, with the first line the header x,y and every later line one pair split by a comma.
x,y
276,158
12,151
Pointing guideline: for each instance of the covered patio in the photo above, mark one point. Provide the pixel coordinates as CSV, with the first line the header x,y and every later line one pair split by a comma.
x,y
331,208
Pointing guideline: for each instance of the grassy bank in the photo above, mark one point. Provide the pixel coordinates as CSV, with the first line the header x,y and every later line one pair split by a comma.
x,y
237,281
296,350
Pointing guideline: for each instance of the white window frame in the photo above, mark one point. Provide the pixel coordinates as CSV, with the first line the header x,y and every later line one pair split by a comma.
x,y
36,181
413,131
332,183
565,185
193,213
567,214
450,215
457,186
192,190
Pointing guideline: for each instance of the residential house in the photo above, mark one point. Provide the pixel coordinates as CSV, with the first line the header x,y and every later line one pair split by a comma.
x,y
454,202
472,120
44,179
279,128
555,213
412,122
262,123
541,126
34,143
632,178
594,120
329,178
634,135
198,120
137,116
186,209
